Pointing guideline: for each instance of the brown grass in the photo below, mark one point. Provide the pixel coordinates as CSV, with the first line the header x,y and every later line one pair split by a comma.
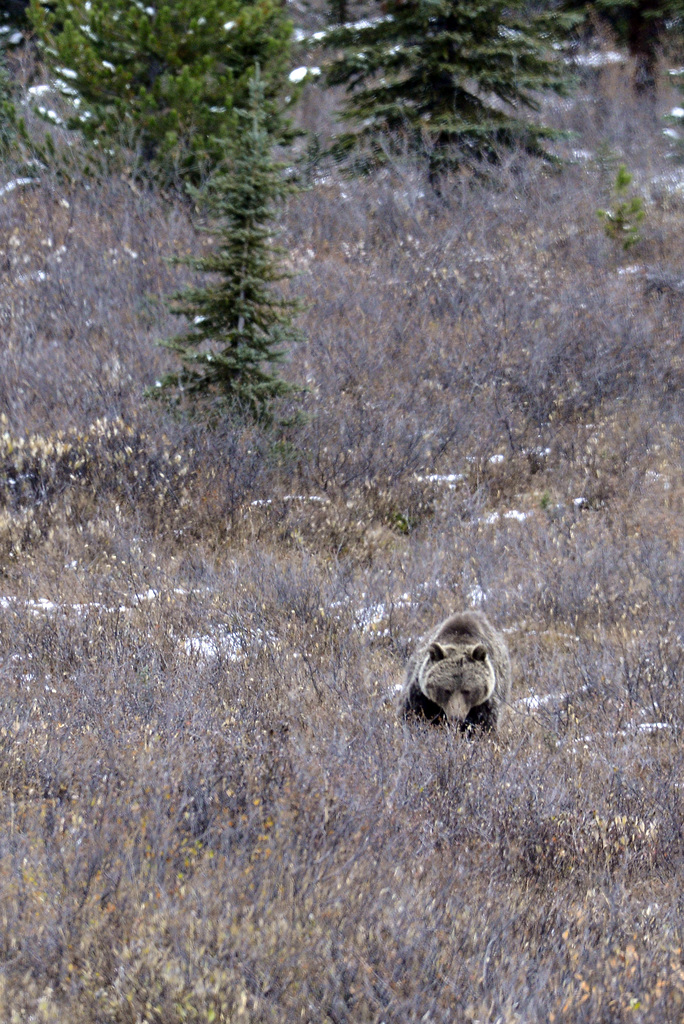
x,y
208,809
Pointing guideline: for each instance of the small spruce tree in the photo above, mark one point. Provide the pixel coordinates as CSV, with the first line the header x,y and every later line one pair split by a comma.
x,y
627,212
446,75
239,325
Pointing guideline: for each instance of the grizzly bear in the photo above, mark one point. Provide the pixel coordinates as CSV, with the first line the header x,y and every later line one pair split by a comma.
x,y
460,674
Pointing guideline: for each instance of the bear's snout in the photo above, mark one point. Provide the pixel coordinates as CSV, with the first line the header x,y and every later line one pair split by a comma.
x,y
457,708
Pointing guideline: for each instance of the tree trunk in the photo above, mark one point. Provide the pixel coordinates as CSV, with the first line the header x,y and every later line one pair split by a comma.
x,y
643,32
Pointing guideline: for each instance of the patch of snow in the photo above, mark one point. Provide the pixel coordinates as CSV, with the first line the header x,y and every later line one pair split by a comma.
x,y
15,38
51,115
261,502
299,74
536,700
300,36
672,182
368,618
11,185
677,111
596,59
38,275
149,595
224,643
209,648
440,478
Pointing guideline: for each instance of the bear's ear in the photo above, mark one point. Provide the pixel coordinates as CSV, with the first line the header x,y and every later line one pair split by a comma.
x,y
479,653
436,652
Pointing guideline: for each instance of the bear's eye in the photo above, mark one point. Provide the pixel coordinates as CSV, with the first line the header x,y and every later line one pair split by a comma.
x,y
479,653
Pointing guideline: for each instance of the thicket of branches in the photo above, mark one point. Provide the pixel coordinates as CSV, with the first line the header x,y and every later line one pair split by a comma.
x,y
208,807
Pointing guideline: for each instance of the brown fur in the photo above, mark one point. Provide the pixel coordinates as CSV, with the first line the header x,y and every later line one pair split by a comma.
x,y
461,674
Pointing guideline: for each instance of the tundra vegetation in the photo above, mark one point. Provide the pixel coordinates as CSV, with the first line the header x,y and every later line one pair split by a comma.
x,y
209,810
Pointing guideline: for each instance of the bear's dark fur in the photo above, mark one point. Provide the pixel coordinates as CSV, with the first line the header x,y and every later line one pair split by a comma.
x,y
460,674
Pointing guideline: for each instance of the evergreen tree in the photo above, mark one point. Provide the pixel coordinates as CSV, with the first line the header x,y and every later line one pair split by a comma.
x,y
338,11
9,128
13,16
638,24
446,75
239,325
15,144
166,77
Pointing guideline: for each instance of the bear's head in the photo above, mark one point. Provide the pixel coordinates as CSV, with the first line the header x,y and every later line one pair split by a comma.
x,y
457,677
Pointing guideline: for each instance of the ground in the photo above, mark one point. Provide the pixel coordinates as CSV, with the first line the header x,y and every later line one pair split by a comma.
x,y
210,810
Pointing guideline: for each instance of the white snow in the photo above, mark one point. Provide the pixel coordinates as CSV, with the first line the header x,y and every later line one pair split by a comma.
x,y
671,182
513,513
300,36
299,74
536,700
596,59
149,595
261,502
11,185
209,647
369,617
451,479
51,115
15,38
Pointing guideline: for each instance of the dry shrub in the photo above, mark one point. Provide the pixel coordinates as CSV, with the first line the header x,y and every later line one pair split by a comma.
x,y
209,808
